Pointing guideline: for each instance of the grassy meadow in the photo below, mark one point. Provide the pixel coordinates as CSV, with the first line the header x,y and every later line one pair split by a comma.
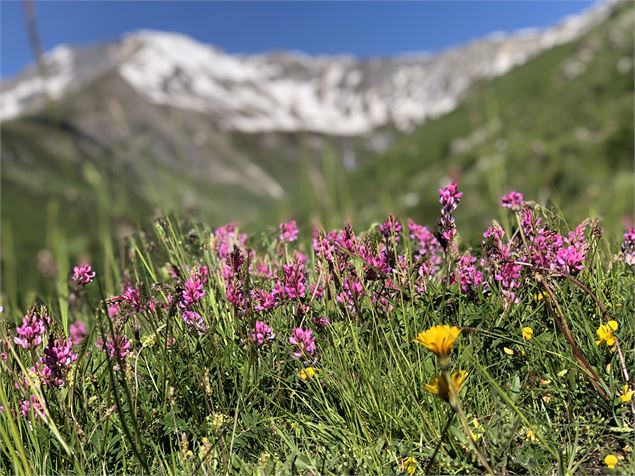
x,y
399,349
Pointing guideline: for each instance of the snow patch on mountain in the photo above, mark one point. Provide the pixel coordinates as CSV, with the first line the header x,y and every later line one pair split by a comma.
x,y
338,95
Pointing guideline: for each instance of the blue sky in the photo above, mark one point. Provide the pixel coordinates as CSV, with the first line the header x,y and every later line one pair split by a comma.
x,y
361,28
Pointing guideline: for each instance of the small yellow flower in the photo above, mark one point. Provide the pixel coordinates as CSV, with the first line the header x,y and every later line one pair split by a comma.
x,y
610,461
528,333
627,394
508,351
263,459
307,373
439,339
409,465
538,296
531,436
562,373
440,385
478,429
605,333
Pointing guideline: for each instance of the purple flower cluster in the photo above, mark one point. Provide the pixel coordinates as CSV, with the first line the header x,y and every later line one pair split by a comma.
x,y
34,326
193,291
391,227
303,342
449,197
83,275
233,276
470,277
288,232
513,200
262,334
116,349
569,260
226,238
263,300
508,276
293,283
628,247
78,332
132,297
33,404
57,359
194,322
352,291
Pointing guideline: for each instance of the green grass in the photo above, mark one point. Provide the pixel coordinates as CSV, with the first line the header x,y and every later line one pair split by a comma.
x,y
364,412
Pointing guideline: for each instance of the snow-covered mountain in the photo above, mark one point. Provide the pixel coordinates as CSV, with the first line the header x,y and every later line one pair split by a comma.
x,y
339,95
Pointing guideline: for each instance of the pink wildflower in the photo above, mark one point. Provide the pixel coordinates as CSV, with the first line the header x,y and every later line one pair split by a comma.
x,y
195,322
132,296
32,329
234,294
226,238
58,357
352,291
304,342
78,332
83,275
509,278
391,227
193,291
513,200
321,321
449,197
113,310
288,232
470,277
263,300
570,260
628,247
294,285
117,349
262,334
33,404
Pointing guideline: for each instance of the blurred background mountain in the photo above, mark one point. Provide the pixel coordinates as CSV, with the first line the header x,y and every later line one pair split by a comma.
x,y
155,121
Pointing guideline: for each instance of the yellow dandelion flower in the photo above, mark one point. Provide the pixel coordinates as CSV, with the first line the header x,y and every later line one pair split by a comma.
x,y
610,461
538,296
409,465
440,386
528,333
439,339
531,436
627,394
605,333
307,373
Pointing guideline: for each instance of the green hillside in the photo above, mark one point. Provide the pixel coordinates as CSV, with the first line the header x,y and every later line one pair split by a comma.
x,y
559,128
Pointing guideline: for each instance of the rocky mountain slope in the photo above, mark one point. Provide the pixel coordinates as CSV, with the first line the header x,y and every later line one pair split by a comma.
x,y
287,91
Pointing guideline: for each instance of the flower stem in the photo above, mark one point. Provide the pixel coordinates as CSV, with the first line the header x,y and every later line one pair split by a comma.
x,y
455,403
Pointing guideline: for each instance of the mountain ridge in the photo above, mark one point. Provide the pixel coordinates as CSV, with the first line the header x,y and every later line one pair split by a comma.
x,y
290,91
